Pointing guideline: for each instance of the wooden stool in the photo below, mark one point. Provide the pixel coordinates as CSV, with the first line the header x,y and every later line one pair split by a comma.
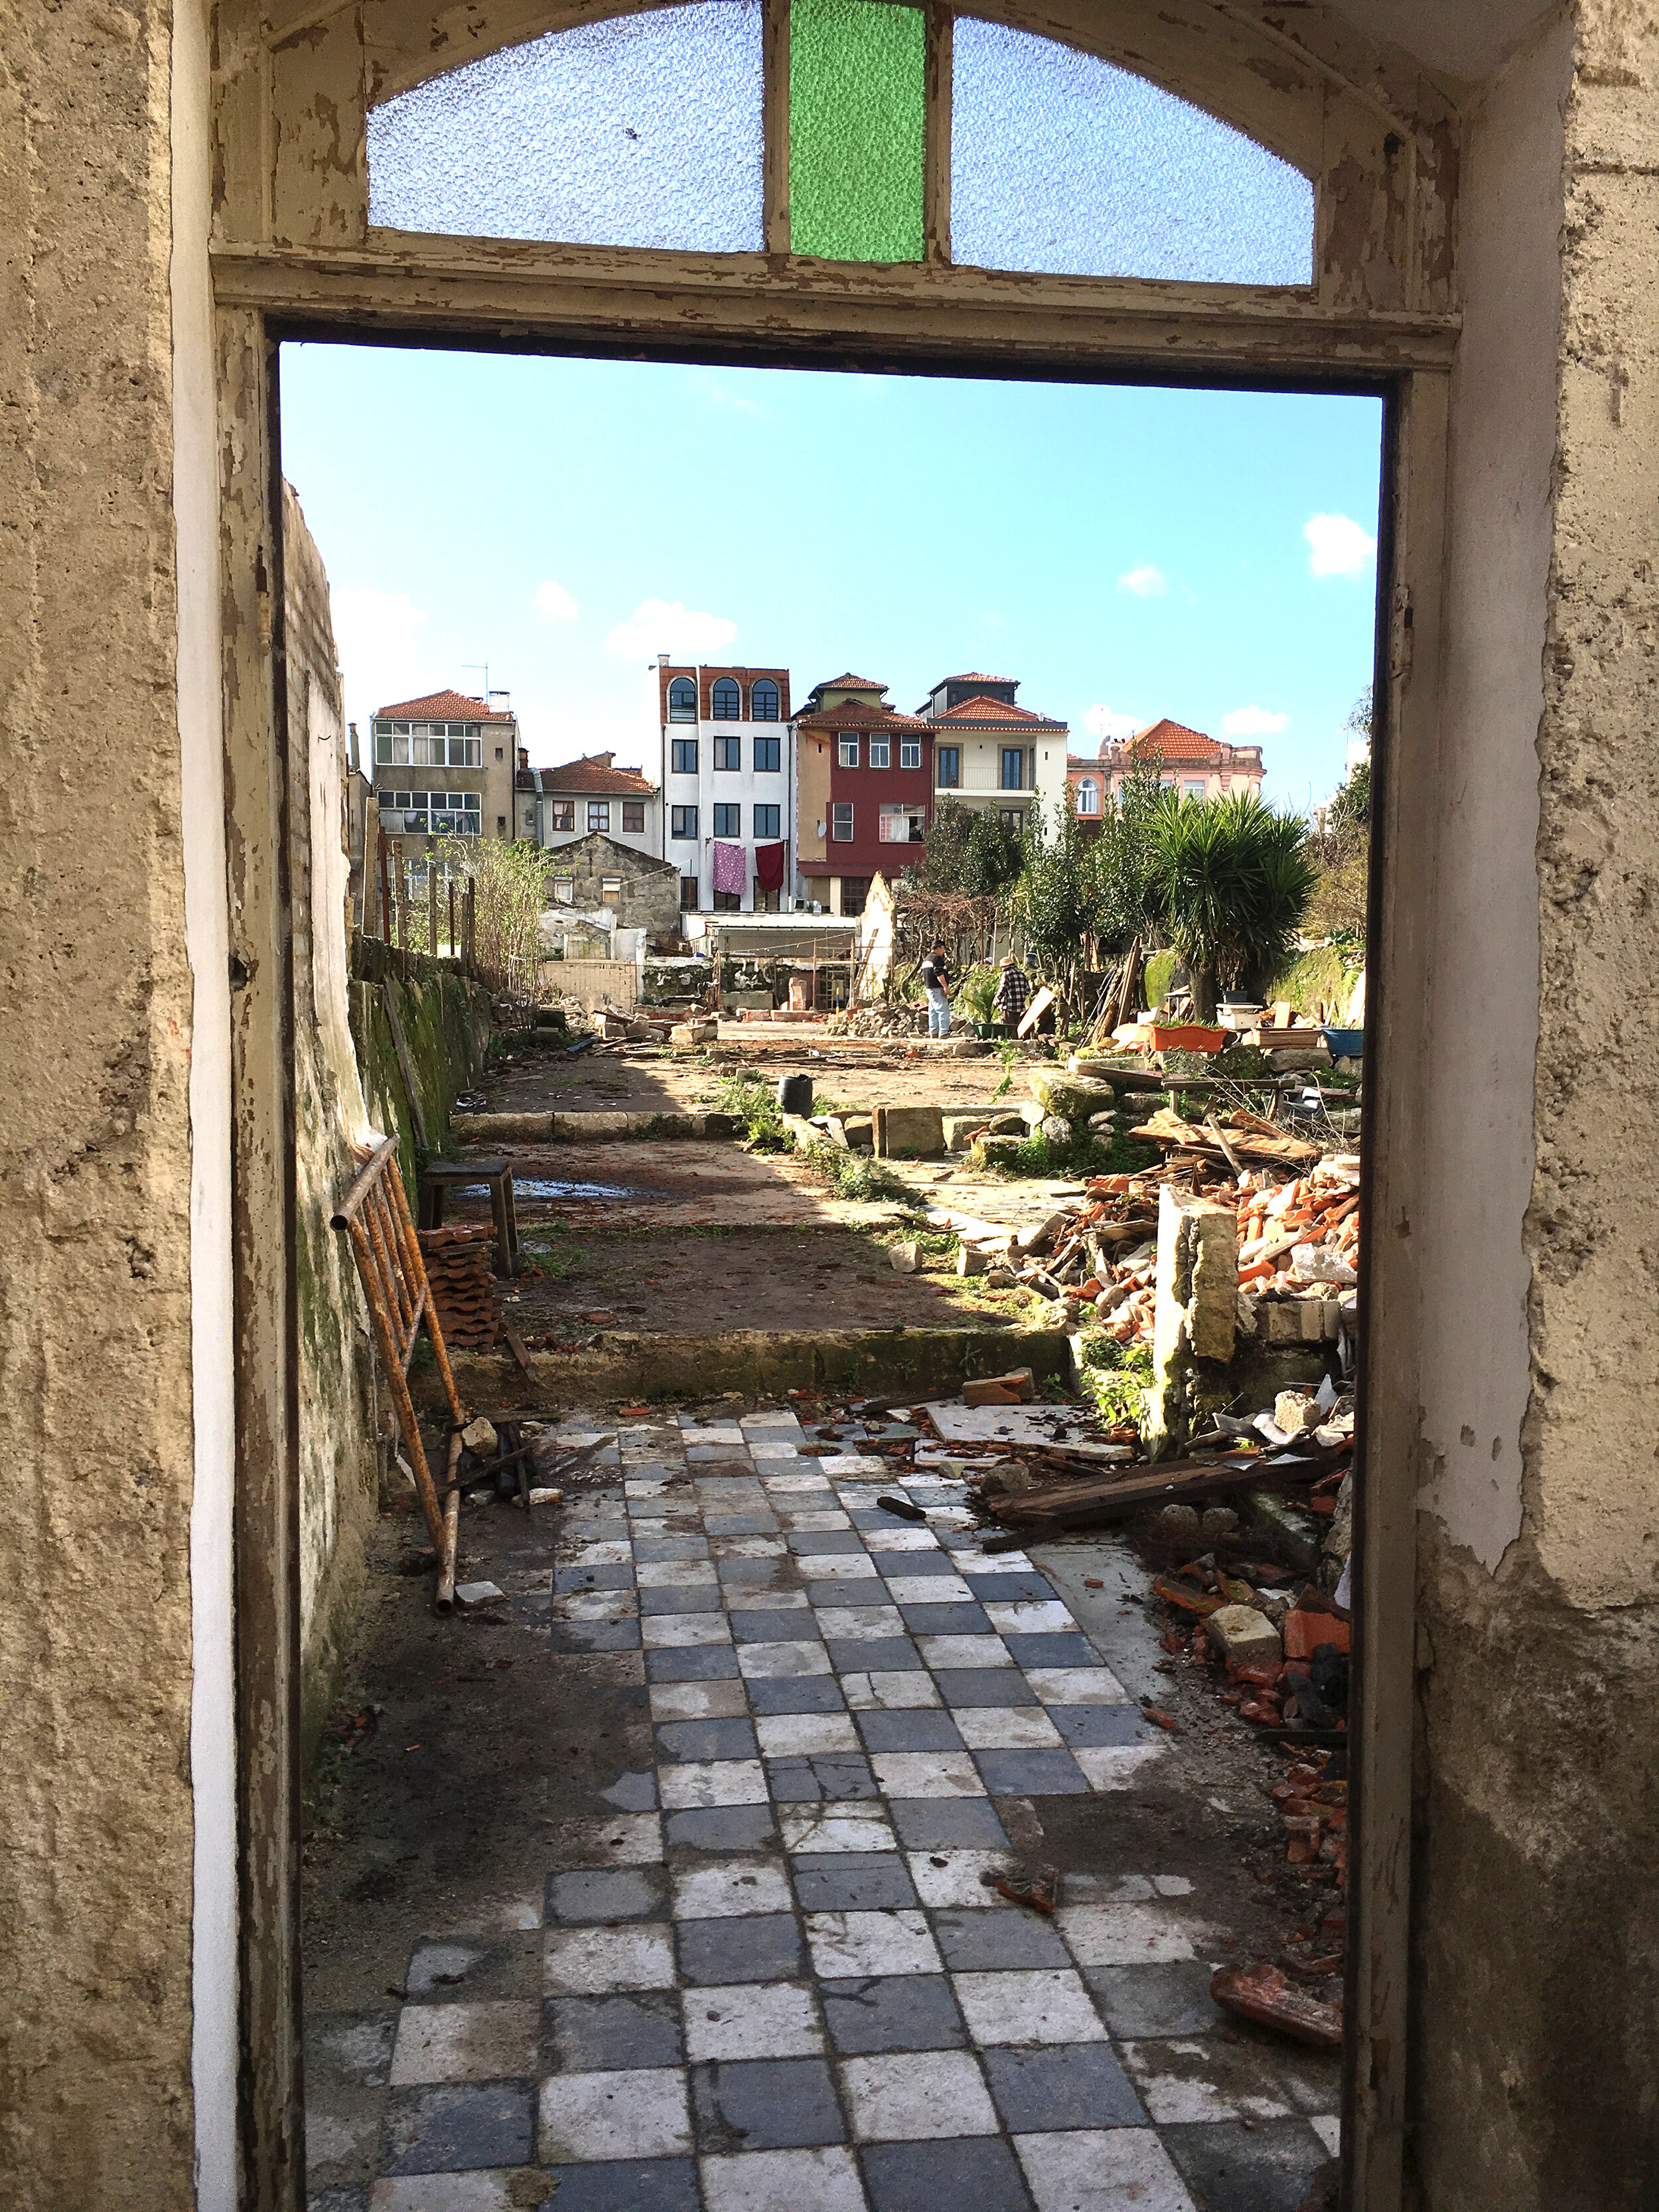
x,y
436,1178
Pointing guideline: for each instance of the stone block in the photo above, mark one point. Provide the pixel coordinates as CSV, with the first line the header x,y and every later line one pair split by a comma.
x,y
960,1129
1001,1148
1071,1097
1196,1315
1057,1131
1299,1060
1279,1321
1244,1635
908,1133
1294,1410
969,1262
904,1259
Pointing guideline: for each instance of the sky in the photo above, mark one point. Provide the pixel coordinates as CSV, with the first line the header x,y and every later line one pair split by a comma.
x,y
1125,552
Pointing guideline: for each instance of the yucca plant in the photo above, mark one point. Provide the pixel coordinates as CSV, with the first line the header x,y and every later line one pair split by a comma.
x,y
1235,882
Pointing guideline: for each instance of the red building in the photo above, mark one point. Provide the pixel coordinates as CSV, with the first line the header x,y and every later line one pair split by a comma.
x,y
864,791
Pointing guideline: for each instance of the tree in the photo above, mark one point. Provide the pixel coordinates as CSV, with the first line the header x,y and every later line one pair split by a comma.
x,y
1349,816
1056,901
1236,881
969,849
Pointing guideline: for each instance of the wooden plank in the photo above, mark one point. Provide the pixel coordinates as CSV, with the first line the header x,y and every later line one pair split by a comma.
x,y
1101,1497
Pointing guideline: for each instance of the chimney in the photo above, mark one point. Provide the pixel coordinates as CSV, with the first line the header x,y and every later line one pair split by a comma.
x,y
662,660
524,755
500,702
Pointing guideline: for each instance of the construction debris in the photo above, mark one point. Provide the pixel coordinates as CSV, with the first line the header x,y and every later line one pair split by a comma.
x,y
462,1275
1262,1994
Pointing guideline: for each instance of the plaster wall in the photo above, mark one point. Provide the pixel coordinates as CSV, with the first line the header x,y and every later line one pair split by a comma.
x,y
96,1194
1535,2020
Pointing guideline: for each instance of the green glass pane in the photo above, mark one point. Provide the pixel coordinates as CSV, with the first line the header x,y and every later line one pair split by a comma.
x,y
856,129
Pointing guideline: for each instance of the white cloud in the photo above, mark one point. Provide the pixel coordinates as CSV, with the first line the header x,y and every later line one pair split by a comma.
x,y
1145,582
1337,546
656,626
555,602
1102,723
1254,722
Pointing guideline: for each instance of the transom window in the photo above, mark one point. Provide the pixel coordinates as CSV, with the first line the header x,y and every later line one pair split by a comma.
x,y
651,130
1088,796
902,822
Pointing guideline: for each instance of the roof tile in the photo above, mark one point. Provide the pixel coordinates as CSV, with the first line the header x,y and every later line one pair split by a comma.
x,y
442,707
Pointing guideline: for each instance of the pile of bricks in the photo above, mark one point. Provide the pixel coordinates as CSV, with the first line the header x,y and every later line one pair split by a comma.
x,y
460,1269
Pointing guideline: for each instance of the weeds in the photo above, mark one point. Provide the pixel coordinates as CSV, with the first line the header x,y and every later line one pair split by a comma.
x,y
746,1097
858,1176
1116,1376
1038,1155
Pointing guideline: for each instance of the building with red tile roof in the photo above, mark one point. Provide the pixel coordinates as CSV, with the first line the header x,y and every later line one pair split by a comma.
x,y
989,750
592,795
449,763
864,791
1197,766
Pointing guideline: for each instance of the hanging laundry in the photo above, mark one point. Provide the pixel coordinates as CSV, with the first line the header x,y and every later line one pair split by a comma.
x,y
731,868
768,867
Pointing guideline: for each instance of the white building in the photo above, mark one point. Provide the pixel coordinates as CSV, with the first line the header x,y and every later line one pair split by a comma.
x,y
727,782
988,752
592,796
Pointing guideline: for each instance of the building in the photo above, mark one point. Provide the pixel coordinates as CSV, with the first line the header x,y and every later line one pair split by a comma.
x,y
726,784
448,763
593,797
611,894
1188,762
864,778
987,752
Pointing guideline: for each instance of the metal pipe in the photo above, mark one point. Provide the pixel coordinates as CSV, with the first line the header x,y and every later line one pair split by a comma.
x,y
365,1182
445,1599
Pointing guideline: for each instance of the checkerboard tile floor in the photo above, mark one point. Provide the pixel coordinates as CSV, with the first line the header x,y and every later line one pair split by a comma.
x,y
781,1983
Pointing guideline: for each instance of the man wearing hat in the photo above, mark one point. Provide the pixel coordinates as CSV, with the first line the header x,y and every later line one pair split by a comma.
x,y
1013,993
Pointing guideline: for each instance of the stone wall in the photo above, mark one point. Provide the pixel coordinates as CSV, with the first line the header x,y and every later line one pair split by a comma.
x,y
650,888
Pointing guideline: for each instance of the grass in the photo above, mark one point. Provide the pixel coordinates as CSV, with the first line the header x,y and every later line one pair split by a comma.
x,y
1035,1156
859,1176
749,1099
1116,1375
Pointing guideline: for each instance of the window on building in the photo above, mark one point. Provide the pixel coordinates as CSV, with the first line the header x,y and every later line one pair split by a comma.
x,y
909,752
947,766
1088,796
763,700
1015,818
902,823
598,814
1014,767
728,752
841,820
682,821
688,893
1193,787
855,890
564,890
847,752
682,701
728,902
726,702
683,755
610,890
728,821
500,754
562,814
768,756
633,817
768,901
500,825
881,752
766,821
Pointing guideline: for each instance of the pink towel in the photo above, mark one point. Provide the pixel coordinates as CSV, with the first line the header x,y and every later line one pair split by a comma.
x,y
730,867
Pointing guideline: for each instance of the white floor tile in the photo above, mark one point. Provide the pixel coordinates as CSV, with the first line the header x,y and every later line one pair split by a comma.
x,y
712,1781
852,1946
1100,2170
641,2114
957,1883
730,1888
1006,1728
481,2042
798,1735
1329,2128
838,1567
991,1563
625,1839
1115,1766
752,2019
833,1828
675,1574
769,1663
785,1484
943,1651
1172,1885
835,1463
926,1774
917,2095
1048,1618
807,1517
1121,1935
1077,1685
824,2180
442,2192
747,1547
860,1623
899,1538
592,1962
1172,2097
595,1605
608,1552
769,1601
928,1589
1042,2005
673,1631
698,1701
890,1692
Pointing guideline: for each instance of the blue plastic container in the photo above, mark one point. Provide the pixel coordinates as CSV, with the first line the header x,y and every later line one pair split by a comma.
x,y
1346,1044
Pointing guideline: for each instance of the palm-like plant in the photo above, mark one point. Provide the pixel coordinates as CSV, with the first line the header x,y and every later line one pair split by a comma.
x,y
1236,881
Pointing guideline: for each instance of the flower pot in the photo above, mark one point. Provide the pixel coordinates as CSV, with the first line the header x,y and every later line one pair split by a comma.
x,y
1187,1036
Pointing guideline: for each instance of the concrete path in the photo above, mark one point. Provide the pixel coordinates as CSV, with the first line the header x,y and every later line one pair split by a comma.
x,y
773,1979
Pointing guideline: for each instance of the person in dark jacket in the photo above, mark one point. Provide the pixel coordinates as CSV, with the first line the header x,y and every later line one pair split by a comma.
x,y
936,980
1013,993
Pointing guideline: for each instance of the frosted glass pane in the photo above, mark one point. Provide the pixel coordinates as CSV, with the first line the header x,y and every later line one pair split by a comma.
x,y
1060,162
857,130
639,131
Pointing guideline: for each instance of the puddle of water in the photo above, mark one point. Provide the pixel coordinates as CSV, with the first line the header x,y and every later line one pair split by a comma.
x,y
522,1188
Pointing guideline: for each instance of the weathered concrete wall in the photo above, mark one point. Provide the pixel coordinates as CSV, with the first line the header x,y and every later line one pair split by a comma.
x,y
443,1022
95,1351
650,888
1536,1968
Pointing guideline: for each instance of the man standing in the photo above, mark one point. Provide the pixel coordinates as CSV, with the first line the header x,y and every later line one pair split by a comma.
x,y
936,977
1013,993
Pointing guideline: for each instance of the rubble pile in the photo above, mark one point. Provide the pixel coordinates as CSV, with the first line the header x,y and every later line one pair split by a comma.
x,y
878,1021
461,1272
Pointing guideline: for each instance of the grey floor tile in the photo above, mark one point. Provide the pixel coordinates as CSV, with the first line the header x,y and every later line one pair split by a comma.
x,y
336,2200
653,1550
722,1739
773,1625
896,1564
823,1540
765,2103
880,1655
918,1729
461,1969
699,1597
800,1693
720,1827
978,2174
602,2035
739,1574
984,1685
708,1662
1051,1773
1169,1999
763,1947
1063,1647
588,1896
998,1939
893,2012
1011,1589
615,1577
1061,2085
825,1777
851,1882
633,1792
929,1824
1100,1724
351,2050
458,2128
1228,2167
625,2185
758,1523
960,1619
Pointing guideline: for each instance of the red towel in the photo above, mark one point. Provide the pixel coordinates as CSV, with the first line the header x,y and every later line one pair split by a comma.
x,y
768,867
